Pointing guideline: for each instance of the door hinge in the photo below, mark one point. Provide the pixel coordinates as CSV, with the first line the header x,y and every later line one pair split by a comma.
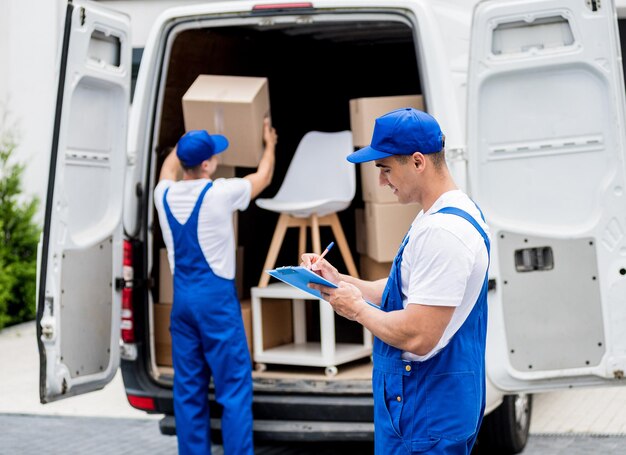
x,y
491,285
121,283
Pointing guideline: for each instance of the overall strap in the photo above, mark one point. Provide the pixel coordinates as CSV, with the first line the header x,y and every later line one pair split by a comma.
x,y
466,216
196,207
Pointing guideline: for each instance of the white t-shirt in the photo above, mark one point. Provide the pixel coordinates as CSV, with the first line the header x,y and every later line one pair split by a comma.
x,y
215,220
444,263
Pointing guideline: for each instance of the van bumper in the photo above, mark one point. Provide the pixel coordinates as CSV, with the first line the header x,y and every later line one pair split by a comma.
x,y
294,431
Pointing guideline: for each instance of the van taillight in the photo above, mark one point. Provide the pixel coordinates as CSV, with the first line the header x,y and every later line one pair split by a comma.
x,y
128,323
143,403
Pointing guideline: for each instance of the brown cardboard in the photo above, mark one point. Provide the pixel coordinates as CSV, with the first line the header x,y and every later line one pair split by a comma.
x,y
364,111
277,322
162,338
233,106
246,315
385,226
236,227
361,235
166,284
372,270
370,188
239,273
223,172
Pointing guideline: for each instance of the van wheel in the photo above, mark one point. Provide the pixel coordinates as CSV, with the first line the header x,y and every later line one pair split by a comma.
x,y
505,430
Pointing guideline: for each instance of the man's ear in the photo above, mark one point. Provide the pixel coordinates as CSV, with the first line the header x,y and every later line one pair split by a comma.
x,y
418,161
210,165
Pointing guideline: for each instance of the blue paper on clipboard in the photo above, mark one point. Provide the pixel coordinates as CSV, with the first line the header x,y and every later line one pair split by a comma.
x,y
299,277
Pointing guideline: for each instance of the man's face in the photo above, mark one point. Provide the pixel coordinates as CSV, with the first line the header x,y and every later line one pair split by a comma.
x,y
398,175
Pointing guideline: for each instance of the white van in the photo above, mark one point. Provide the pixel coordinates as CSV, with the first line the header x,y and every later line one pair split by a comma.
x,y
530,94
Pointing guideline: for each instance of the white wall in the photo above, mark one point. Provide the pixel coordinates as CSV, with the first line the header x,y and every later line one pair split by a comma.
x,y
29,36
5,43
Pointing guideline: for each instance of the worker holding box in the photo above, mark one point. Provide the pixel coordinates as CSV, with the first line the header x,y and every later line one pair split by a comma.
x,y
208,337
430,326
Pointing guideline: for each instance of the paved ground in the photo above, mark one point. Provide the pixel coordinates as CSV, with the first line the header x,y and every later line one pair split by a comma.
x,y
55,435
569,422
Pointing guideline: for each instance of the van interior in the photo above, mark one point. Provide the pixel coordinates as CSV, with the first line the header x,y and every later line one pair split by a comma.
x,y
314,67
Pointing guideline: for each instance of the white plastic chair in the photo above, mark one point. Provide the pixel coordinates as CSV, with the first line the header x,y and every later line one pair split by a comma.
x,y
319,183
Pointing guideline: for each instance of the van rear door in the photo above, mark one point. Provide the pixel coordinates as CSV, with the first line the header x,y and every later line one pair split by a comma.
x,y
546,152
78,314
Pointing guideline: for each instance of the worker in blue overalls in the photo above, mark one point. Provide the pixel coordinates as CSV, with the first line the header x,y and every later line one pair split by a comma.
x,y
208,337
429,317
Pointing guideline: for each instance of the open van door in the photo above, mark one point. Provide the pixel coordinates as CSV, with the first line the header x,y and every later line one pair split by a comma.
x,y
78,313
546,153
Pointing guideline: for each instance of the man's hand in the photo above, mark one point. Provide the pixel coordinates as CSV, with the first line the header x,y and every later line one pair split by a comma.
x,y
269,133
321,266
346,300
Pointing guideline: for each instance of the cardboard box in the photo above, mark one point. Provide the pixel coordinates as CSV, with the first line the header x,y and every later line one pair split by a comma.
x,y
277,322
166,283
246,315
385,227
239,273
162,338
370,188
365,111
223,172
361,235
233,106
372,270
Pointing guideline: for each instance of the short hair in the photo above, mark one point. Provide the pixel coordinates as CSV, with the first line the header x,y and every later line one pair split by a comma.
x,y
190,169
438,158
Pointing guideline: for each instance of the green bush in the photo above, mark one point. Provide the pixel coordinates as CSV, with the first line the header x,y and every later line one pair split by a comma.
x,y
19,237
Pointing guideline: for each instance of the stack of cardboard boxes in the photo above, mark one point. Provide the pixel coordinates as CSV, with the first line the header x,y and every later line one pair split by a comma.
x,y
383,222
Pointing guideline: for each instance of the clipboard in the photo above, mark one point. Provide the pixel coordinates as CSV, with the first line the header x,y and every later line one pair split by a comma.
x,y
299,277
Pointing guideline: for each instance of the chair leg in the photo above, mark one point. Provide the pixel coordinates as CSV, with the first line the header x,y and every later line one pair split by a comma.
x,y
343,244
315,234
272,254
301,243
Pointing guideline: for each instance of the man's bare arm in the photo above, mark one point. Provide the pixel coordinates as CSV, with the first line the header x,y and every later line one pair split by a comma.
x,y
264,173
416,329
171,169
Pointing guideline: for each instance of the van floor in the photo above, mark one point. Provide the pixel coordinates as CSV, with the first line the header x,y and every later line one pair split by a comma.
x,y
353,377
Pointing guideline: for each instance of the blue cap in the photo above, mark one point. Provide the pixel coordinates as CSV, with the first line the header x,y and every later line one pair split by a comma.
x,y
197,145
401,132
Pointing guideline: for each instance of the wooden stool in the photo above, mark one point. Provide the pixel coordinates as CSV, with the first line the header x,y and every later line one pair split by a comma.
x,y
314,222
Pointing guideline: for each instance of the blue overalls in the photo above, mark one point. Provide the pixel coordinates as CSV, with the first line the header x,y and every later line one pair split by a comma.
x,y
434,406
208,338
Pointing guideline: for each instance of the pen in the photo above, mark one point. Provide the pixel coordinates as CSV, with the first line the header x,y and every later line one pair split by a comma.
x,y
330,245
